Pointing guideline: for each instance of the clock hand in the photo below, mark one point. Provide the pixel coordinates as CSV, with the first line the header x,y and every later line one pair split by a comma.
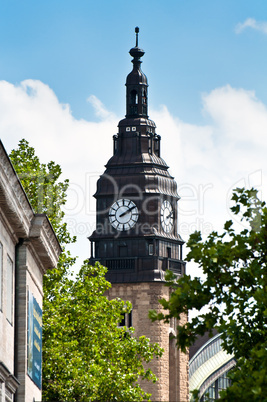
x,y
126,212
169,216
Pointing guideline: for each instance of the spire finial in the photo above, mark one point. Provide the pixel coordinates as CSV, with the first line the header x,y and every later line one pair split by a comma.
x,y
137,32
136,52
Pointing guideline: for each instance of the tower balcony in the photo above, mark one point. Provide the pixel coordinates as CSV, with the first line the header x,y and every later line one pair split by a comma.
x,y
135,269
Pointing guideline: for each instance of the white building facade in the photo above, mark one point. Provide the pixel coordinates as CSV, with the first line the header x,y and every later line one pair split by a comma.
x,y
28,248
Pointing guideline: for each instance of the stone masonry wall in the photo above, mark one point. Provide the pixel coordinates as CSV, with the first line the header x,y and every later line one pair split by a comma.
x,y
144,297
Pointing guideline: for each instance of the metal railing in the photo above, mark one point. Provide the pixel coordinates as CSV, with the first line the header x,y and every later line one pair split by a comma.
x,y
121,263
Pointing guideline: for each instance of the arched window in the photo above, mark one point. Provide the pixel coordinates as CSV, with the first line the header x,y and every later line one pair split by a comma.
x,y
144,97
134,97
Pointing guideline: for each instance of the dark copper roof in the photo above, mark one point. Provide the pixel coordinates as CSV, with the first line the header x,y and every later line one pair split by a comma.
x,y
136,76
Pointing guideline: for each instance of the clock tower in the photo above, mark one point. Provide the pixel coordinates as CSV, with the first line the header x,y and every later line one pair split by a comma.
x,y
136,234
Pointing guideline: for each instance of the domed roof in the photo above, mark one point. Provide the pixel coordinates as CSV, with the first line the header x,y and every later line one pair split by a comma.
x,y
136,76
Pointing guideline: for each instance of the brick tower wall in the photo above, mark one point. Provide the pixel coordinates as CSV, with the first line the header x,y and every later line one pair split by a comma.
x,y
172,368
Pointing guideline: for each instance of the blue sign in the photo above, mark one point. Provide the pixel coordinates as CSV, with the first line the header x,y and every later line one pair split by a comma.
x,y
34,366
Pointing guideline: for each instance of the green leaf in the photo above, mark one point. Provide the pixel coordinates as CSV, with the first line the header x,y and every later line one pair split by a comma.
x,y
233,293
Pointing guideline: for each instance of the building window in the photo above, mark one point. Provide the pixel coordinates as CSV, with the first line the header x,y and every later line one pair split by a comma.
x,y
9,290
123,320
150,249
223,382
134,98
1,274
150,144
213,392
169,252
181,252
130,319
115,144
209,394
127,320
157,145
144,95
92,249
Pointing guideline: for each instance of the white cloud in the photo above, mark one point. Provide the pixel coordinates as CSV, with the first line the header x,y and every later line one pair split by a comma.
x,y
239,124
207,161
32,111
252,23
100,109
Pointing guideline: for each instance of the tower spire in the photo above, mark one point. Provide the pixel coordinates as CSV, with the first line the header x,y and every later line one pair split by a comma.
x,y
136,84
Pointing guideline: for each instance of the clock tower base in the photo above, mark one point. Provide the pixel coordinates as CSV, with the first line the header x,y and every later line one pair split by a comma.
x,y
172,368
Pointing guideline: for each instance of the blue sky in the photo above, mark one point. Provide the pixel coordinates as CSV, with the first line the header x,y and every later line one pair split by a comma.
x,y
81,47
63,66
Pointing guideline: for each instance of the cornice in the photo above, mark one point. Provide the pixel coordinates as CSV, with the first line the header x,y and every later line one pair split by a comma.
x,y
44,241
7,377
13,199
12,384
23,222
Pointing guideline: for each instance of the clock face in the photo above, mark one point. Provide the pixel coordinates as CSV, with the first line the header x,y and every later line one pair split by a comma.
x,y
123,214
166,216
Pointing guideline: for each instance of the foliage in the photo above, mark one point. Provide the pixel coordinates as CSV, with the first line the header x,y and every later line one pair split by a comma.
x,y
235,292
88,357
47,195
40,181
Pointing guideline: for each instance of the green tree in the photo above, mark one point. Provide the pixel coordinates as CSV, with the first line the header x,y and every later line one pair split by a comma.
x,y
47,194
86,356
234,293
42,187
